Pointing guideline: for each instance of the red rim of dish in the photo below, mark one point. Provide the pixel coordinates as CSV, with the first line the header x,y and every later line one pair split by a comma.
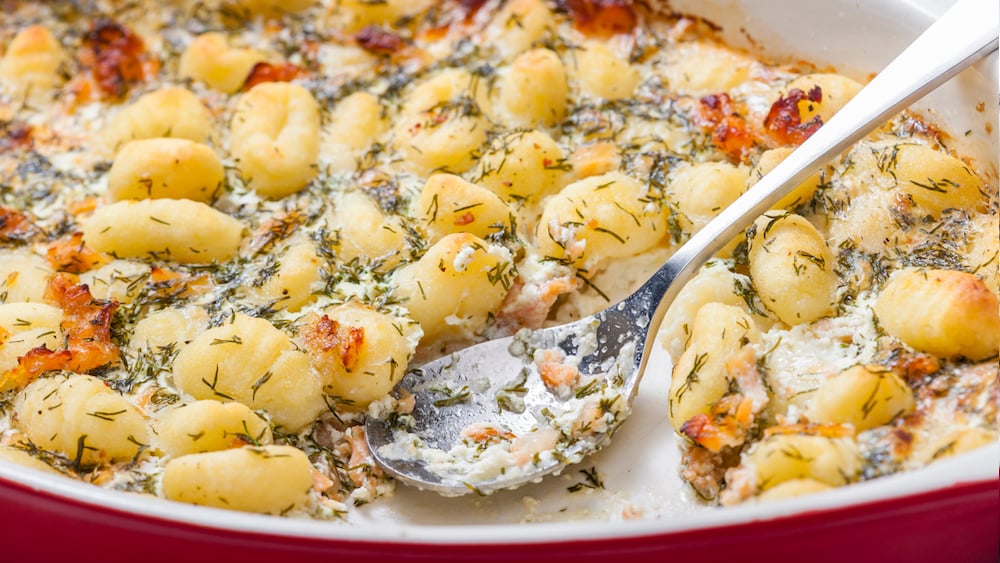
x,y
956,523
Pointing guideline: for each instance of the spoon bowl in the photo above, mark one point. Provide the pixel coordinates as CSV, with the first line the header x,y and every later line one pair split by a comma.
x,y
510,411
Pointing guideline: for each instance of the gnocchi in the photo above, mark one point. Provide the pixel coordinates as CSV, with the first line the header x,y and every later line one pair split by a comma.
x,y
173,112
523,166
212,60
356,14
445,135
267,479
863,396
32,61
792,268
602,74
249,361
365,232
209,426
275,7
701,191
700,68
356,120
360,353
165,168
801,194
786,457
599,218
454,288
699,378
519,25
172,229
275,138
80,417
942,312
168,328
23,276
291,285
118,280
534,90
448,204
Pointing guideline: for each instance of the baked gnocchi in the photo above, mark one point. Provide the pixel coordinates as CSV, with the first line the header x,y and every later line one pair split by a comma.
x,y
81,418
178,230
275,138
210,58
31,61
266,479
223,241
249,361
172,111
165,168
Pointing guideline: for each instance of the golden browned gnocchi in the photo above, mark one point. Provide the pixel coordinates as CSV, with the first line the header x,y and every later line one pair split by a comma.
x,y
356,121
209,426
168,328
786,457
798,196
371,355
169,229
165,168
31,61
523,166
21,457
442,123
275,138
701,191
168,112
364,231
519,24
700,68
275,7
602,73
449,204
211,59
863,396
700,378
456,286
250,361
80,417
934,179
266,479
291,285
942,312
533,92
792,268
716,283
598,219
356,14
441,89
23,276
118,280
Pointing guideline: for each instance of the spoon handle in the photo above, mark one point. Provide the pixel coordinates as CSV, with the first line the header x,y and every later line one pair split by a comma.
x,y
965,33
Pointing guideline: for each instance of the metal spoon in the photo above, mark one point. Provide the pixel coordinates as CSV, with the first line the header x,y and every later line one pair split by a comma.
x,y
522,430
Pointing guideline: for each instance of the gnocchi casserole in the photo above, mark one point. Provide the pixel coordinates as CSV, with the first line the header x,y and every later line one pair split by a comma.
x,y
229,226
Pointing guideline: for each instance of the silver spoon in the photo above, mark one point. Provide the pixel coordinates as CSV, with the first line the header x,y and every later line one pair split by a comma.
x,y
521,429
